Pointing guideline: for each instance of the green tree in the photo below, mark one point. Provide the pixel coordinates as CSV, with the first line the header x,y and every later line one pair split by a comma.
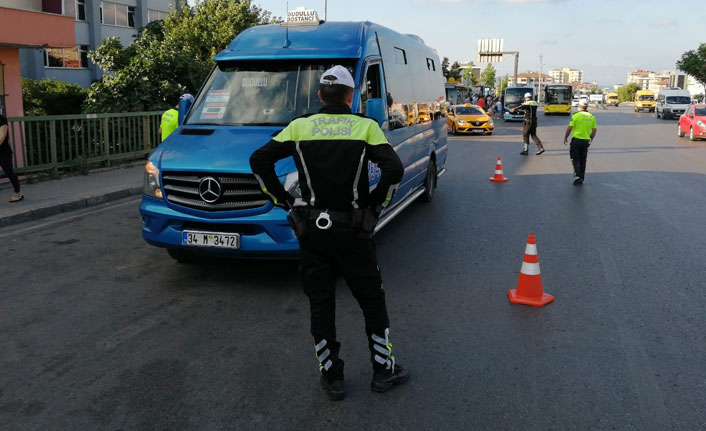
x,y
455,71
626,93
445,68
488,76
52,97
693,62
168,57
468,76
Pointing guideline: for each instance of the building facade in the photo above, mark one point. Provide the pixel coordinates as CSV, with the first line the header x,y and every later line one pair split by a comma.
x,y
94,20
26,24
566,75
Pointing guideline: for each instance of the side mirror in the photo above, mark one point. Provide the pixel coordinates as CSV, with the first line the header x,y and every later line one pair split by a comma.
x,y
184,106
375,109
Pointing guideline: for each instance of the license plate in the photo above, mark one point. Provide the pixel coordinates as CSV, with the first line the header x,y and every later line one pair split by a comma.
x,y
194,238
478,130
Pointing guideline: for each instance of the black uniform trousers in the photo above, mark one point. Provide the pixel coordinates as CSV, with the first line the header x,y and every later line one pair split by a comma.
x,y
578,151
530,129
326,255
7,166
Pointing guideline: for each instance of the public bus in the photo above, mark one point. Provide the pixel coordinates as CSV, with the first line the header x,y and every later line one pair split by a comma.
x,y
200,196
457,94
557,99
514,96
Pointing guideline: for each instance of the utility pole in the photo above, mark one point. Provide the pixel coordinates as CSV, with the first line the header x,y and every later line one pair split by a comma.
x,y
539,92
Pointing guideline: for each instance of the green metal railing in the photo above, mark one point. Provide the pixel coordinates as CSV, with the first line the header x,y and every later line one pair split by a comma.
x,y
55,142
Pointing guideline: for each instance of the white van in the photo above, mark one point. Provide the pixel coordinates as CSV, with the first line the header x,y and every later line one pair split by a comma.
x,y
672,102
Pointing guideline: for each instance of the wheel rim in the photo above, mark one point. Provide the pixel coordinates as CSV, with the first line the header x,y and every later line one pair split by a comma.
x,y
691,133
679,130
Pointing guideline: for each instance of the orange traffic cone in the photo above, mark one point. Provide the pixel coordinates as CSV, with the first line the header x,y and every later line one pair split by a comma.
x,y
498,177
529,288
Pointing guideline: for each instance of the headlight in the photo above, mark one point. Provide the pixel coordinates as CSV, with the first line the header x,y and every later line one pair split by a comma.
x,y
291,184
150,185
461,122
701,124
490,121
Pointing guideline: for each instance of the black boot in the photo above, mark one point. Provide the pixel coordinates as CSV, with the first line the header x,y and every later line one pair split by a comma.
x,y
331,368
383,381
525,151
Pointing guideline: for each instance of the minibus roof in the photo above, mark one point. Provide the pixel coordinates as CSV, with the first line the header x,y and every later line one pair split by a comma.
x,y
275,41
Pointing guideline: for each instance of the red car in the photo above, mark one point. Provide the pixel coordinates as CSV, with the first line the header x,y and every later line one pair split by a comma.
x,y
693,122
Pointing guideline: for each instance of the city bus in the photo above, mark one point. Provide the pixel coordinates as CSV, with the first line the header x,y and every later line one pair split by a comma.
x,y
514,96
200,196
457,94
557,99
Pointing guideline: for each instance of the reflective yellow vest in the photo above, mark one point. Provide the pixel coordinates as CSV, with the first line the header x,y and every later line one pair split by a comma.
x,y
170,122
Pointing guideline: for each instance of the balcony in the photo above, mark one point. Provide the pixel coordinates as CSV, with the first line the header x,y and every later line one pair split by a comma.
x,y
20,28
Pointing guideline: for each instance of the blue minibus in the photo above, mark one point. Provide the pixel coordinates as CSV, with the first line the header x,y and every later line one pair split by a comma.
x,y
200,195
514,97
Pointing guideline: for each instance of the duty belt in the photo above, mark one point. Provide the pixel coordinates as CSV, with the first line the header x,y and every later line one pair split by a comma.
x,y
324,219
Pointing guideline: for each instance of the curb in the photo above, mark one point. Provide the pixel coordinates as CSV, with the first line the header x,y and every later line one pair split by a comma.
x,y
40,213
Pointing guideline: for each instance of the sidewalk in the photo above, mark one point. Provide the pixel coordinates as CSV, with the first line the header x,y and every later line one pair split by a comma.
x,y
48,198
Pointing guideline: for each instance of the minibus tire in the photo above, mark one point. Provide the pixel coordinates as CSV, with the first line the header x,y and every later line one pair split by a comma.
x,y
430,182
181,256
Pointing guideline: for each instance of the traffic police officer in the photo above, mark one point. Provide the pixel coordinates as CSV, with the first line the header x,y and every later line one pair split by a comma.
x,y
171,117
583,126
335,224
529,124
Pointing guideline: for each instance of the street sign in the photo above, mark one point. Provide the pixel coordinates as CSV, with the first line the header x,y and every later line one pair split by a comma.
x,y
490,50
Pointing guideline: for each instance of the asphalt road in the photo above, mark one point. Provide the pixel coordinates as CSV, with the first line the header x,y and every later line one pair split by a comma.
x,y
99,331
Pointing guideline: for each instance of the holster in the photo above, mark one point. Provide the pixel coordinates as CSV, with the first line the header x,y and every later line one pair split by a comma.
x,y
298,223
368,221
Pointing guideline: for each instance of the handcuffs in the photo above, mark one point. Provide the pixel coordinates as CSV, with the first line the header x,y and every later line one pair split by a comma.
x,y
323,221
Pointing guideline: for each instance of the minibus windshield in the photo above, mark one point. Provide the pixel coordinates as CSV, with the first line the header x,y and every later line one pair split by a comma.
x,y
648,97
260,93
678,100
558,95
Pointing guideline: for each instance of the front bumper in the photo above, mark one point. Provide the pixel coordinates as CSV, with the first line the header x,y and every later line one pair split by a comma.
x,y
266,235
471,128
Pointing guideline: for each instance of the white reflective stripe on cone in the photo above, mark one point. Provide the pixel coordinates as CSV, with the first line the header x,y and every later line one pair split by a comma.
x,y
499,172
530,268
531,249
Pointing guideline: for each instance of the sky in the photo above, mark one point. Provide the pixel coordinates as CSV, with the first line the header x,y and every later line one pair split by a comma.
x,y
607,39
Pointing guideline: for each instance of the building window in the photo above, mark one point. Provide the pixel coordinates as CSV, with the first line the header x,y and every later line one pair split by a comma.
x,y
131,16
66,58
117,14
155,15
80,10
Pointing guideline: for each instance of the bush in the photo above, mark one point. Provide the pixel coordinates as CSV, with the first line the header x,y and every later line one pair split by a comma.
x,y
52,97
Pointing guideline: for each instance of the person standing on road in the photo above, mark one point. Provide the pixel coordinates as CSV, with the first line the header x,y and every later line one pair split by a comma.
x,y
335,225
499,109
6,163
481,102
170,118
583,127
529,124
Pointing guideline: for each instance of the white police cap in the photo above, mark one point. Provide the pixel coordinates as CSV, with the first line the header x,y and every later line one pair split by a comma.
x,y
337,75
528,95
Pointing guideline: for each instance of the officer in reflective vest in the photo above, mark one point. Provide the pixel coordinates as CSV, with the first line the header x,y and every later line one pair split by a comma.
x,y
529,124
583,128
170,118
336,220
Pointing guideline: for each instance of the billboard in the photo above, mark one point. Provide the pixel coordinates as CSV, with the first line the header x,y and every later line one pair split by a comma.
x,y
490,50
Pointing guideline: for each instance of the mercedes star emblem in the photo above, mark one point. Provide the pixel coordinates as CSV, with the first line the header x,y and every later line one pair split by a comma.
x,y
210,189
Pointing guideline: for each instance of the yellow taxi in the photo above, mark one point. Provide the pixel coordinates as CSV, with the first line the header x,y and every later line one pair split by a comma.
x,y
469,119
424,115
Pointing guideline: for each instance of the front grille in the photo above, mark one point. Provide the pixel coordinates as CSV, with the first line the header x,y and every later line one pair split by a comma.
x,y
478,123
239,191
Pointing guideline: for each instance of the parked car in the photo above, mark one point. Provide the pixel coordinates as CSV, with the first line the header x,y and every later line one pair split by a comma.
x,y
693,122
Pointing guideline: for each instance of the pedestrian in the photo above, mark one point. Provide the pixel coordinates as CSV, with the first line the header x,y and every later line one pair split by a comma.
x,y
475,99
529,124
335,225
499,108
481,102
6,163
583,128
170,118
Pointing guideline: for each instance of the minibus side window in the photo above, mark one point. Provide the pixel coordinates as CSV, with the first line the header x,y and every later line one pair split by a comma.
x,y
372,88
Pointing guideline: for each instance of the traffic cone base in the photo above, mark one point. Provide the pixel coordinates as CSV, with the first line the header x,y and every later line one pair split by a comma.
x,y
536,302
498,177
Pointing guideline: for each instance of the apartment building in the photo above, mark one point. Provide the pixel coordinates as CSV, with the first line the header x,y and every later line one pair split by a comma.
x,y
94,20
26,24
566,75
